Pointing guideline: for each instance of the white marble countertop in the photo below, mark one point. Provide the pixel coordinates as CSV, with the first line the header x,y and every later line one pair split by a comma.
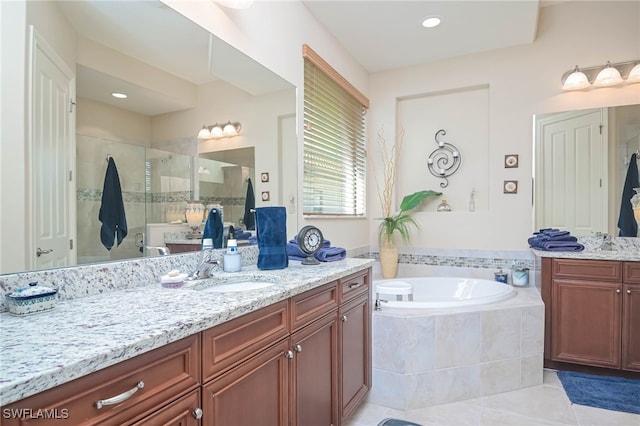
x,y
623,255
87,334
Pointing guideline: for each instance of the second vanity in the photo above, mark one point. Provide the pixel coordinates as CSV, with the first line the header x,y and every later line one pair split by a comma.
x,y
592,309
293,353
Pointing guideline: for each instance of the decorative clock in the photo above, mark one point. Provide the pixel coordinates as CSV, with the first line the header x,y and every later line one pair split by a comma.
x,y
310,242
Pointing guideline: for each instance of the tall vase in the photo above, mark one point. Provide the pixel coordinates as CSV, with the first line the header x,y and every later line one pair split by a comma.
x,y
388,256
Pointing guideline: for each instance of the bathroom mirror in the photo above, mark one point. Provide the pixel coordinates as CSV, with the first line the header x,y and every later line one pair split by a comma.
x,y
581,159
185,79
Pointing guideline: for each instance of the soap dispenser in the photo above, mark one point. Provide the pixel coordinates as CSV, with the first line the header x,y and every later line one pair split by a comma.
x,y
231,259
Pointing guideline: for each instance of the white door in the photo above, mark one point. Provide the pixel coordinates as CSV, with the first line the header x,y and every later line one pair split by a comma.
x,y
571,174
52,158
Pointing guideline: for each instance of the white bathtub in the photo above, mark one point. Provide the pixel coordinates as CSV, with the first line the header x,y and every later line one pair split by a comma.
x,y
444,292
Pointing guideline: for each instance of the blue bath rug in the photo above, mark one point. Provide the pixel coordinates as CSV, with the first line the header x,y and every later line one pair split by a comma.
x,y
610,393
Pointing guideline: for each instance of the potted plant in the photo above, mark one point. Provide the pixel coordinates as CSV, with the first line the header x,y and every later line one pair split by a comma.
x,y
403,221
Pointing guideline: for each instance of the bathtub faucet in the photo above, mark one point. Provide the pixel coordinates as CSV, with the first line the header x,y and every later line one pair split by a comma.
x,y
377,306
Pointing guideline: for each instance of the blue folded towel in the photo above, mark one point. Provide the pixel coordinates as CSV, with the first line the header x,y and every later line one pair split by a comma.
x,y
214,228
271,228
294,252
561,246
112,215
330,254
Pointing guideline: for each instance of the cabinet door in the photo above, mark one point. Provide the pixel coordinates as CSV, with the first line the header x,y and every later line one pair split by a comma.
x,y
255,392
354,348
586,326
631,327
314,379
183,412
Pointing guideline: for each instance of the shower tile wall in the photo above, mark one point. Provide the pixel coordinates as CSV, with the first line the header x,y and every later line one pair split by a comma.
x,y
226,193
91,166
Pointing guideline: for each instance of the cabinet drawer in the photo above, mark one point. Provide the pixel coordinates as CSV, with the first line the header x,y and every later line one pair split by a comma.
x,y
234,341
166,372
354,285
592,270
185,411
631,272
312,304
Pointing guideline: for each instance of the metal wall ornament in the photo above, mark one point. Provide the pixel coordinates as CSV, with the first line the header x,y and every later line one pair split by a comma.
x,y
444,160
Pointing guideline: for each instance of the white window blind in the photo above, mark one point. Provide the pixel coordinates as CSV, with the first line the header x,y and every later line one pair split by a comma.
x,y
334,142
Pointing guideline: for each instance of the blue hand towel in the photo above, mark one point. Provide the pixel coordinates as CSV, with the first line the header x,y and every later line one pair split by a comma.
x,y
214,228
626,220
112,215
561,246
249,204
330,254
271,227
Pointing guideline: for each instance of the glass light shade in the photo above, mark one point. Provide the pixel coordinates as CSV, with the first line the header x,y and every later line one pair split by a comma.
x,y
194,214
216,131
634,75
229,129
577,80
236,4
609,76
204,133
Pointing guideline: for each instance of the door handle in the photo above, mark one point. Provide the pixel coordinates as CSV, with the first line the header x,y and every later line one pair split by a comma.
x,y
40,252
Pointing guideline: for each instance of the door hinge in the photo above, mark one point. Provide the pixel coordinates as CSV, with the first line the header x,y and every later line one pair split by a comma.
x,y
600,183
72,103
601,126
71,244
70,175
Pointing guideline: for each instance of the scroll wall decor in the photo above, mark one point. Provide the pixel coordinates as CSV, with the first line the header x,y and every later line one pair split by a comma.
x,y
444,160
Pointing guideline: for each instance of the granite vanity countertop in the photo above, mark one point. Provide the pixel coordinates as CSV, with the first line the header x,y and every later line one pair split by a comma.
x,y
87,334
629,255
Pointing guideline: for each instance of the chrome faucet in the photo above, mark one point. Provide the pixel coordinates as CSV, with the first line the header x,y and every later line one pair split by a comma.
x,y
162,251
205,265
606,244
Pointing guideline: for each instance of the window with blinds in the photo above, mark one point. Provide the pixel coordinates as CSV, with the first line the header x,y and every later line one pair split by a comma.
x,y
334,141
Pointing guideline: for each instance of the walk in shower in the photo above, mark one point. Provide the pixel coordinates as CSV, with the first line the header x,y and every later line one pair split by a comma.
x,y
155,185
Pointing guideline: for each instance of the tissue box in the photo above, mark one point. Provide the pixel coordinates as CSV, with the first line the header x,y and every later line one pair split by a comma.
x,y
31,300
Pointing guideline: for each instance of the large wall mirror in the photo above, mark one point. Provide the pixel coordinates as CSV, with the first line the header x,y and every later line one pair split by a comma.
x,y
178,77
581,160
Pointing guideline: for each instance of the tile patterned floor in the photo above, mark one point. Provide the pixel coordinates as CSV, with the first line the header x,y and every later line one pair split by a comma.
x,y
546,404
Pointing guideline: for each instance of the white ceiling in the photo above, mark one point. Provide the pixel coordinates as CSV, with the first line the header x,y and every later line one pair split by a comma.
x,y
379,34
387,34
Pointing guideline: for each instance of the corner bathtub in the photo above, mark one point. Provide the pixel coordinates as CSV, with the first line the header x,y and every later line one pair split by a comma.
x,y
442,292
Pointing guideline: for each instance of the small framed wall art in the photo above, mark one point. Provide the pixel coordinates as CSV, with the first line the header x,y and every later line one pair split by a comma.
x,y
511,161
264,177
266,196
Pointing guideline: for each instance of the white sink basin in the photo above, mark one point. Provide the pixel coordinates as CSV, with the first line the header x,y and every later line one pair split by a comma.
x,y
238,286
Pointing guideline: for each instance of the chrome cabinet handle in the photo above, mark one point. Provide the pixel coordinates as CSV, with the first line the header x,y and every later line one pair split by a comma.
x,y
288,354
297,347
618,290
40,252
197,413
628,291
119,398
355,285
344,318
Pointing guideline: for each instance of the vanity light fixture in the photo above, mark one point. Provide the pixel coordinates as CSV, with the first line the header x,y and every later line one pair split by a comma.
x,y
602,76
218,131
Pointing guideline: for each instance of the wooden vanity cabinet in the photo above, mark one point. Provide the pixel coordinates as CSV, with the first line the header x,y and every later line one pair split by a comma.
x,y
592,312
170,377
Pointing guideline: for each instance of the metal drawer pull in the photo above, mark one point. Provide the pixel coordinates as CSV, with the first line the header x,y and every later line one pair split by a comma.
x,y
355,285
628,291
618,290
288,354
197,413
298,347
119,398
344,318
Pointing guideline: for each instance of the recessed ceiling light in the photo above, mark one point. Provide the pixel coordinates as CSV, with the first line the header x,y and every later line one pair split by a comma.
x,y
119,95
431,21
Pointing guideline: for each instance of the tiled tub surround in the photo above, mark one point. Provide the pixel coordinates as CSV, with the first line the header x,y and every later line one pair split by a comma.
x,y
430,357
125,312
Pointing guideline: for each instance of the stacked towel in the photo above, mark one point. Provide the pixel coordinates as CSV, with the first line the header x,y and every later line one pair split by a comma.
x,y
271,227
112,215
325,254
240,234
550,239
214,228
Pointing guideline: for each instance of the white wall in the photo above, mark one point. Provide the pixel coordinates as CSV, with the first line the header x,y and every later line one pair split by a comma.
x,y
522,81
